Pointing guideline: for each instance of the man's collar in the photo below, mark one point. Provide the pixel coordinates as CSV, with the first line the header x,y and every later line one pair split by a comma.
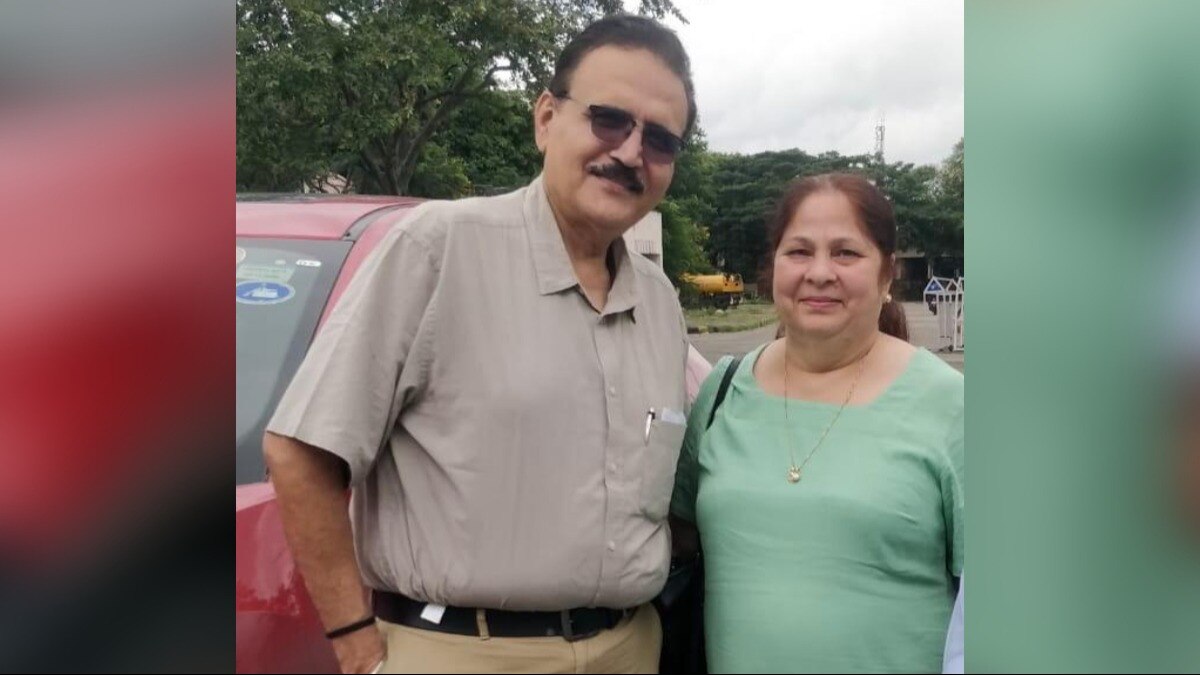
x,y
552,264
550,259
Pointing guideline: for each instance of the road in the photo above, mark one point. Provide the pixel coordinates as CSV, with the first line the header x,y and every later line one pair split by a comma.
x,y
922,328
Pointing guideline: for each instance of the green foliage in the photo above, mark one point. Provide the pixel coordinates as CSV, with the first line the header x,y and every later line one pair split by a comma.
x,y
950,180
689,204
692,187
689,296
748,187
683,243
746,316
949,189
359,87
440,174
928,203
493,136
431,98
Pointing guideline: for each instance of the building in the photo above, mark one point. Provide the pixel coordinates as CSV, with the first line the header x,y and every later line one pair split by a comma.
x,y
913,271
645,237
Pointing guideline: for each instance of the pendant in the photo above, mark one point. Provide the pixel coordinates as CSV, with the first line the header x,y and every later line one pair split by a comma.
x,y
794,475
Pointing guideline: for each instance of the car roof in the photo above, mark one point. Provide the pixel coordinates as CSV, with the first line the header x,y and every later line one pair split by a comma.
x,y
310,216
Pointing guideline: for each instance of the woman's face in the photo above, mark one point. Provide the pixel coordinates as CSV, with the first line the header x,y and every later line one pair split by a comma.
x,y
828,277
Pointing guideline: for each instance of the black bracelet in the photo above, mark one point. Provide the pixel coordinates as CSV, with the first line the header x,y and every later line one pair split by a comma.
x,y
346,630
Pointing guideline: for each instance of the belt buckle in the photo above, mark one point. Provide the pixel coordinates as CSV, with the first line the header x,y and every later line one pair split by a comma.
x,y
568,630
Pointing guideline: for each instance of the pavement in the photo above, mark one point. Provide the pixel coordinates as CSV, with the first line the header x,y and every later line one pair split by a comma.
x,y
922,330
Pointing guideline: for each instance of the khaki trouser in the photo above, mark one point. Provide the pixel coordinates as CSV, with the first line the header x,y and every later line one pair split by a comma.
x,y
630,647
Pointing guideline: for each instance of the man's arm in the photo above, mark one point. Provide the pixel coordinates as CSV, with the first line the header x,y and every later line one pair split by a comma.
x,y
311,488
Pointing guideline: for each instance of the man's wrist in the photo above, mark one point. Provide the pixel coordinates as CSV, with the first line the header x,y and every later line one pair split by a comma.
x,y
350,628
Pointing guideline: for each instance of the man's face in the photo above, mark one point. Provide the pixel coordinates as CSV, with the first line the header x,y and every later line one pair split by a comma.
x,y
596,184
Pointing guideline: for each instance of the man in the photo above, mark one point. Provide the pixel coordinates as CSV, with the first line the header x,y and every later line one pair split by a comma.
x,y
503,387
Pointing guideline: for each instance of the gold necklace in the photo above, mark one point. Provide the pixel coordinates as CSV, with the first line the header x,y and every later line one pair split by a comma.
x,y
793,474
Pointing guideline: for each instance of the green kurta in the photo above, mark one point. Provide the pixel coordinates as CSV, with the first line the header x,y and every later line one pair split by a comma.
x,y
849,570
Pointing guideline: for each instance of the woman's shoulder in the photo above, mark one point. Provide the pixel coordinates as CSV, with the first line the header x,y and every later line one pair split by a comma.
x,y
944,383
743,363
935,381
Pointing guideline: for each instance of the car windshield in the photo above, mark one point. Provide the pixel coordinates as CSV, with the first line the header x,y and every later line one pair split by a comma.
x,y
282,288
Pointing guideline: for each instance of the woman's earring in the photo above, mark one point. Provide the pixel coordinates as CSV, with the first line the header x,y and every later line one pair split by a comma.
x,y
888,298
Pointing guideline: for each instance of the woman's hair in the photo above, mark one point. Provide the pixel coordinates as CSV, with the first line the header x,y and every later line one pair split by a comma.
x,y
873,210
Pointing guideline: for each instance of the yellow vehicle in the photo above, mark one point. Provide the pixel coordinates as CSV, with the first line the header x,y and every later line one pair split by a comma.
x,y
722,290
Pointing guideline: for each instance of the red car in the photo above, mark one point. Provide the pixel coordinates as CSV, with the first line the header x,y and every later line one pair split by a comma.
x,y
295,255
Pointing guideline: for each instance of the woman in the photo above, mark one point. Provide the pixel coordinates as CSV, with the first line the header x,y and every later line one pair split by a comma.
x,y
828,491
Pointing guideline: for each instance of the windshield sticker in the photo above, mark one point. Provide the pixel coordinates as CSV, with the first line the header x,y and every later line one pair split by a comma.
x,y
309,263
266,273
264,292
241,255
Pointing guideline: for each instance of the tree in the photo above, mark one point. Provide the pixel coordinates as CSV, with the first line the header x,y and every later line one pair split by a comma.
x,y
929,204
359,87
950,183
949,192
692,187
440,174
910,189
688,204
747,190
683,249
493,136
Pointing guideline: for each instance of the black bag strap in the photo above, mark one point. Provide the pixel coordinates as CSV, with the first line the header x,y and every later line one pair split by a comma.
x,y
723,388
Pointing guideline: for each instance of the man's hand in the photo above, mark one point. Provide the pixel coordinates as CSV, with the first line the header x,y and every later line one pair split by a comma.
x,y
361,651
310,485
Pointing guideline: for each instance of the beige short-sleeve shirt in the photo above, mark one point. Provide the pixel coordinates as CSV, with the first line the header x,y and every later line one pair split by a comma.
x,y
498,429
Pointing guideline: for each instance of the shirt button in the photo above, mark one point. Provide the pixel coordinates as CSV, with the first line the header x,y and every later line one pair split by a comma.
x,y
612,546
612,391
612,467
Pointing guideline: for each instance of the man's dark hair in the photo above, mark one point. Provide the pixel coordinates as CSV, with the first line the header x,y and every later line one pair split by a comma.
x,y
627,30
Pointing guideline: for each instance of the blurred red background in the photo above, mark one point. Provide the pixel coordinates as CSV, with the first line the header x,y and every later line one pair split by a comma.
x,y
117,145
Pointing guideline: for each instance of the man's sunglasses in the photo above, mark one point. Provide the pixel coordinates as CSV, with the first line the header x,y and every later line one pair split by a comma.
x,y
613,126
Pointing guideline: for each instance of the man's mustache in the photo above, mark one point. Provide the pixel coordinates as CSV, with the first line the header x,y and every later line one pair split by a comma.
x,y
620,173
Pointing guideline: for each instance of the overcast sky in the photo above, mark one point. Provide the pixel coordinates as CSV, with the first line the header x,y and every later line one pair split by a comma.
x,y
778,74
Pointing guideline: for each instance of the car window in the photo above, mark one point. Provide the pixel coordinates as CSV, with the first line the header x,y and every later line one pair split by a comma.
x,y
281,289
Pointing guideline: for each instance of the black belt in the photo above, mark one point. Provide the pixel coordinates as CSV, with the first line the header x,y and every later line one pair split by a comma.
x,y
571,624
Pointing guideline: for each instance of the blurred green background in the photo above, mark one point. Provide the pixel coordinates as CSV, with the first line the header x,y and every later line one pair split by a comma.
x,y
1085,128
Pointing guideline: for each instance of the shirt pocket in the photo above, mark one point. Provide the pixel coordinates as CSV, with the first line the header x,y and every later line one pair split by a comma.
x,y
659,456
